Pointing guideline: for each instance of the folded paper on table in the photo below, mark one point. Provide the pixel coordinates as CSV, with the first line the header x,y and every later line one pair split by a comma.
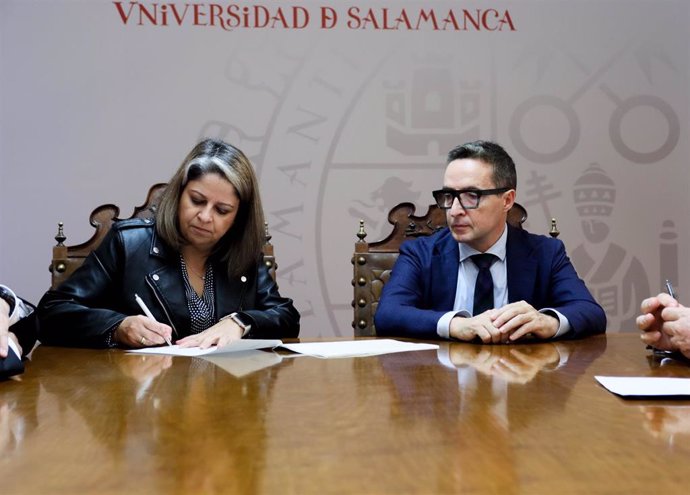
x,y
342,348
630,386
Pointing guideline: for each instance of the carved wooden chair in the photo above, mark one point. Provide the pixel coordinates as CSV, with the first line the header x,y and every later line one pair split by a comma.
x,y
66,259
373,261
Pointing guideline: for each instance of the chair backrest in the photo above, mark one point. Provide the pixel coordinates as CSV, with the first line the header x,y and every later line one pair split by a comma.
x,y
66,259
373,261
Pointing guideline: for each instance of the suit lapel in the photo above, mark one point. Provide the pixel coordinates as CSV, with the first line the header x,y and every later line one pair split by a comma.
x,y
444,276
522,267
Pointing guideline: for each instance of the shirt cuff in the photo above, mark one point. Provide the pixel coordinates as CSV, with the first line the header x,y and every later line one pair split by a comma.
x,y
443,324
110,342
563,323
18,309
9,297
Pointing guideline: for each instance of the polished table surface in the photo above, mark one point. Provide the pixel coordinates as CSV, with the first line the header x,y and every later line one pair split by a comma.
x,y
525,419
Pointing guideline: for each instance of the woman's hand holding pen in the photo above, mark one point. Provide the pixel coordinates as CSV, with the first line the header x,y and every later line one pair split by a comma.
x,y
220,334
141,331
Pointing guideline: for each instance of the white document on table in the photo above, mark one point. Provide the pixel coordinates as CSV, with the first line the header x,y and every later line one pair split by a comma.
x,y
354,348
235,346
630,386
337,349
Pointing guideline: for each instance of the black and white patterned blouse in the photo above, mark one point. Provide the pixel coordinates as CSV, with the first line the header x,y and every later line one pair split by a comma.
x,y
201,309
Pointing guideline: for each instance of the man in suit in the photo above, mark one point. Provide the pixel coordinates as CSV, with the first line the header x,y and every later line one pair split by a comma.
x,y
521,286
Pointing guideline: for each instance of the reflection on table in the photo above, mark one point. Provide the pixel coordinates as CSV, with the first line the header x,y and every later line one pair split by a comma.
x,y
466,418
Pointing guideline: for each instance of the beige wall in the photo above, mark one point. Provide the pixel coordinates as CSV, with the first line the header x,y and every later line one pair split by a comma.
x,y
590,98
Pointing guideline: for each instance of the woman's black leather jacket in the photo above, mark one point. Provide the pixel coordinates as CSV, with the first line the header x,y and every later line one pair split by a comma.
x,y
133,260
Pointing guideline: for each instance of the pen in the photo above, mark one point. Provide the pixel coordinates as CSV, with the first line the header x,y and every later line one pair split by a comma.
x,y
669,289
148,313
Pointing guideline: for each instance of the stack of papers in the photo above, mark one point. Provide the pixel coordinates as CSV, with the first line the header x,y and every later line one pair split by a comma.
x,y
338,349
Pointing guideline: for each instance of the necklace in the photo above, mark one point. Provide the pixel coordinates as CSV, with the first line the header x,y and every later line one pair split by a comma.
x,y
202,277
189,268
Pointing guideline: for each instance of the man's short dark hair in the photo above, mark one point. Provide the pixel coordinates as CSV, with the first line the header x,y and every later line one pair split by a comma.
x,y
489,152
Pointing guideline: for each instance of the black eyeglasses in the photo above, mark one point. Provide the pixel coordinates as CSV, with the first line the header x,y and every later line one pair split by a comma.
x,y
468,198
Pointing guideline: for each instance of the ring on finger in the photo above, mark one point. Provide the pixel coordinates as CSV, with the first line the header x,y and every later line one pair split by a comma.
x,y
143,341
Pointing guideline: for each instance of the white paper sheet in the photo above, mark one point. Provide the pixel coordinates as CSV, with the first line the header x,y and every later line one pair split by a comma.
x,y
353,348
238,345
630,386
342,348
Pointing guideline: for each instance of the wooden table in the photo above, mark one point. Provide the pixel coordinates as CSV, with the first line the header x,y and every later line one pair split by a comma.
x,y
468,419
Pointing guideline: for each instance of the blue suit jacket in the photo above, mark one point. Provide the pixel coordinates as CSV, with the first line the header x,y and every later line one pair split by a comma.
x,y
424,280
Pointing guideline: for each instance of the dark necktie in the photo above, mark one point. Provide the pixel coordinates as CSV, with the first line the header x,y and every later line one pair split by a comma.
x,y
484,287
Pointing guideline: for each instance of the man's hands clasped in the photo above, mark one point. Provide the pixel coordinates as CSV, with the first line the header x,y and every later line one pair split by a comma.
x,y
665,324
510,323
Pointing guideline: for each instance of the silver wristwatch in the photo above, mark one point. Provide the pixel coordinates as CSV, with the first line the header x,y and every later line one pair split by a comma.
x,y
236,318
